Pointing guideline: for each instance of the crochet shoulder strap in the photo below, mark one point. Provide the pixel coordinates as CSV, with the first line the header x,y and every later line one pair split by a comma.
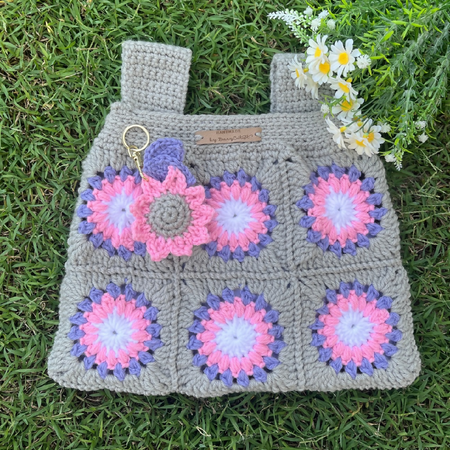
x,y
285,97
155,78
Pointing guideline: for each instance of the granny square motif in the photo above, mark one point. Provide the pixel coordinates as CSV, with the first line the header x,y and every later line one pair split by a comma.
x,y
268,265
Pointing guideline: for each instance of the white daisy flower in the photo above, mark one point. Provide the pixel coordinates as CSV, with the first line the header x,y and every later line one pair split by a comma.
x,y
315,24
363,62
347,109
331,24
312,86
390,157
372,134
323,14
317,50
308,11
385,127
342,59
297,72
343,88
338,137
356,141
420,124
325,109
320,70
423,138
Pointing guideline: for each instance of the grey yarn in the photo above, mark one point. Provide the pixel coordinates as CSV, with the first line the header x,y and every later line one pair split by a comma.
x,y
292,273
170,216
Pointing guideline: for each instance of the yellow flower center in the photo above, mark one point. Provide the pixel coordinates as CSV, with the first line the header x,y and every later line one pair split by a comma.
x,y
324,68
371,136
346,105
297,73
344,87
342,129
317,53
360,143
305,70
343,58
359,123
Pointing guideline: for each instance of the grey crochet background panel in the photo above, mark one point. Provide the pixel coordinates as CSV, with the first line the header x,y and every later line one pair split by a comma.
x,y
403,368
157,376
383,250
281,294
292,271
268,163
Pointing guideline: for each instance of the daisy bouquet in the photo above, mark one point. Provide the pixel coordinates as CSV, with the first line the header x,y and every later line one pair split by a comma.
x,y
379,86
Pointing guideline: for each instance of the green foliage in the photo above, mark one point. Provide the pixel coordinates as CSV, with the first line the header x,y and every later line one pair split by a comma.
x,y
59,72
409,46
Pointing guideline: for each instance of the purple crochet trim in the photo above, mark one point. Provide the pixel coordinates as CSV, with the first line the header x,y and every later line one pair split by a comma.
x,y
342,209
163,153
355,330
115,331
236,337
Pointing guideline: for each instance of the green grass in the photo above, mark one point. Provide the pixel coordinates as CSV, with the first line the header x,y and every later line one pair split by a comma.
x,y
60,71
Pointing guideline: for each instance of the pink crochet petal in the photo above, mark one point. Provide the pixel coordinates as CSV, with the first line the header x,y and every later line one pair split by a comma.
x,y
209,324
111,360
101,355
214,357
175,181
157,247
357,355
235,366
123,358
239,307
224,363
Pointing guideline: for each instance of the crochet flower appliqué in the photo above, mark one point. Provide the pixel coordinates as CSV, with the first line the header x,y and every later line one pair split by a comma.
x,y
243,219
355,331
236,338
115,331
170,217
341,209
106,214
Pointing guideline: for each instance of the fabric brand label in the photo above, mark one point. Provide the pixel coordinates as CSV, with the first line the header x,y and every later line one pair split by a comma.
x,y
228,136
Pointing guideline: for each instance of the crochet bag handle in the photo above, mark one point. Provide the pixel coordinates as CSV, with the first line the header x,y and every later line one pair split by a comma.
x,y
155,78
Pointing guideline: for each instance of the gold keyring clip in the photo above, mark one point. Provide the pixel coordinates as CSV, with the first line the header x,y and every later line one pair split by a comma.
x,y
133,151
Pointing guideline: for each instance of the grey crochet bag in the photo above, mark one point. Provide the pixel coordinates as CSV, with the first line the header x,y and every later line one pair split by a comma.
x,y
241,253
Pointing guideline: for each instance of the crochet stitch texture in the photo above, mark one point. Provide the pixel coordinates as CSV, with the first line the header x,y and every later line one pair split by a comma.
x,y
291,278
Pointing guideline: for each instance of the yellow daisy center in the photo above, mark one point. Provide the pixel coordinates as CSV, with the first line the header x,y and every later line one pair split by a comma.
x,y
317,53
342,129
324,68
371,136
360,143
359,123
344,87
297,73
343,58
346,105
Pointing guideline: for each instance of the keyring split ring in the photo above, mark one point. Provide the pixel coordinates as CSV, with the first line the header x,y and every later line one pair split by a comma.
x,y
141,128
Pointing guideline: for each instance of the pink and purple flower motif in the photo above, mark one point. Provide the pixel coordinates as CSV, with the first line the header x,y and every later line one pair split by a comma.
x,y
171,218
115,331
355,330
162,214
342,209
236,337
243,220
106,215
